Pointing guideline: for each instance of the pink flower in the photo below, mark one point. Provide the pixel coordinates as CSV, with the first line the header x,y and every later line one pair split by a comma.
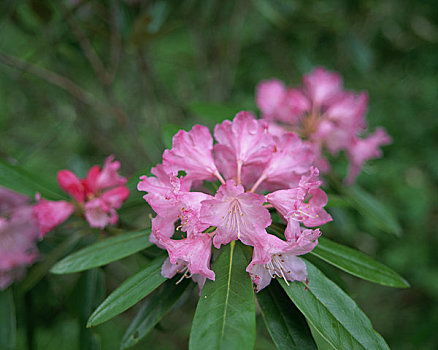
x,y
108,177
249,156
303,204
321,85
192,152
236,214
50,214
18,235
291,158
97,196
269,96
326,115
242,142
101,211
278,103
170,197
364,149
188,255
275,257
10,200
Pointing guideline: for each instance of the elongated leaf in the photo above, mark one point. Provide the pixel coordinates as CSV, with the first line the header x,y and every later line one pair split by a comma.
x,y
373,210
333,314
129,293
7,320
103,252
319,340
225,315
286,325
358,264
153,310
89,293
18,179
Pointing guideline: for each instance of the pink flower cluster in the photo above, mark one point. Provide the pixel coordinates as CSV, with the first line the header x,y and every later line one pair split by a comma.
x,y
247,162
18,235
326,115
97,197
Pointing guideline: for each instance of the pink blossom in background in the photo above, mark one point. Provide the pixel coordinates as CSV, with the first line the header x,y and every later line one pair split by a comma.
x,y
18,235
97,197
247,160
328,117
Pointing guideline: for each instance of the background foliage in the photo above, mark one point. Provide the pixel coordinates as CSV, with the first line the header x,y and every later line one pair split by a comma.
x,y
83,79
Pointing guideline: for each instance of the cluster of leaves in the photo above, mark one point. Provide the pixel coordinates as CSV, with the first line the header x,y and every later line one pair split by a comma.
x,y
228,303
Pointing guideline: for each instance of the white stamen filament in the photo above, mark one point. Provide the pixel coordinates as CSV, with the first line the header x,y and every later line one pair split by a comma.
x,y
234,217
186,274
275,267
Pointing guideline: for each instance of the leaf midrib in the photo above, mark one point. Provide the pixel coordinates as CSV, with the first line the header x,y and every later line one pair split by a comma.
x,y
339,322
80,255
227,295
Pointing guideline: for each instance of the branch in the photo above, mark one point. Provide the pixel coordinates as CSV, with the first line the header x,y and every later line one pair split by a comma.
x,y
54,78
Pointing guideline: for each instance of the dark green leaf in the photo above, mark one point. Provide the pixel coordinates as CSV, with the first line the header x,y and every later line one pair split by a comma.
x,y
129,293
373,210
89,293
358,264
18,179
319,340
333,314
225,315
7,320
152,311
103,252
285,323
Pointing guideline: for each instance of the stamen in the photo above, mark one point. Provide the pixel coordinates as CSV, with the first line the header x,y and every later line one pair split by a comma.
x,y
186,274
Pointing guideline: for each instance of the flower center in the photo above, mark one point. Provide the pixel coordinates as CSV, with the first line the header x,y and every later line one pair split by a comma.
x,y
275,267
234,217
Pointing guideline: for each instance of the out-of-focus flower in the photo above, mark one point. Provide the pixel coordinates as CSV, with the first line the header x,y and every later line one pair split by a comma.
x,y
328,117
97,197
18,235
246,161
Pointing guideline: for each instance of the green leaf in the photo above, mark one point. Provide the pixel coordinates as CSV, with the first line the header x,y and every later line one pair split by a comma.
x,y
225,315
7,320
129,293
18,179
333,314
357,264
285,323
373,210
89,293
103,252
321,343
153,310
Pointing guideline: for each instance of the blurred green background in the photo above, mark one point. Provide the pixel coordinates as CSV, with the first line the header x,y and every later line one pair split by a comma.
x,y
80,80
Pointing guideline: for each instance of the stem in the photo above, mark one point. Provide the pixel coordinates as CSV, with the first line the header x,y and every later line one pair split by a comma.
x,y
54,78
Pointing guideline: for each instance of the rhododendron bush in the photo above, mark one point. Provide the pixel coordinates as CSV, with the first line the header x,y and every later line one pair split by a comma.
x,y
239,211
